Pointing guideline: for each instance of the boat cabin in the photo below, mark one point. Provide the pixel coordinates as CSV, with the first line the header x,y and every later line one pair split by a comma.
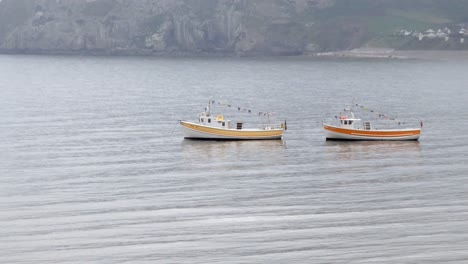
x,y
217,122
349,122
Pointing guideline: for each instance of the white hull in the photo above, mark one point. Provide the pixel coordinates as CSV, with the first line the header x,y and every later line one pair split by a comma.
x,y
196,131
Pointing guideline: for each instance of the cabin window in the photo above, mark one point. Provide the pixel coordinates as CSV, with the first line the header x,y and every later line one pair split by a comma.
x,y
346,122
202,120
350,122
209,120
224,124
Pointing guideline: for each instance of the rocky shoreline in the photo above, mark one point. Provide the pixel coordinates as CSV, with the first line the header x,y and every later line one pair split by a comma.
x,y
364,53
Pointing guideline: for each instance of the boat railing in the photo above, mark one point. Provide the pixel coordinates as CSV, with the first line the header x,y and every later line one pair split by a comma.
x,y
271,126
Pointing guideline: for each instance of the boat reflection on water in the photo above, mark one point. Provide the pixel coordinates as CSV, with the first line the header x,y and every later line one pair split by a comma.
x,y
350,150
225,152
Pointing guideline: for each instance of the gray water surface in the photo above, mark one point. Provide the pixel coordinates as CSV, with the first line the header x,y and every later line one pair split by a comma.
x,y
94,169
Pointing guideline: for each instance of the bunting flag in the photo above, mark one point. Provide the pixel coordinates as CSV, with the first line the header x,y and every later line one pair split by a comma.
x,y
242,109
380,115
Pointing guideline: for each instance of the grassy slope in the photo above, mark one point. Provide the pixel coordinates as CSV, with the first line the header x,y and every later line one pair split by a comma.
x,y
374,21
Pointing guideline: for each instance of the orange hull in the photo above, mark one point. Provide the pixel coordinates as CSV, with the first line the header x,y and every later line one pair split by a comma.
x,y
338,133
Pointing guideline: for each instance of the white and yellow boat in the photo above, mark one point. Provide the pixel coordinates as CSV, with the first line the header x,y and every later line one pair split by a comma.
x,y
218,128
351,128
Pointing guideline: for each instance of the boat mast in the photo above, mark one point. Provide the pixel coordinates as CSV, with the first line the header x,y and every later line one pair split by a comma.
x,y
351,109
208,108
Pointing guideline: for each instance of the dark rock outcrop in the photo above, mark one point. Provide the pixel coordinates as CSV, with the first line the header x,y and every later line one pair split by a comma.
x,y
279,27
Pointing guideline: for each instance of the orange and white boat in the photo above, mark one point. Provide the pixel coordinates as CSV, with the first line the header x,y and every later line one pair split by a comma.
x,y
351,128
216,127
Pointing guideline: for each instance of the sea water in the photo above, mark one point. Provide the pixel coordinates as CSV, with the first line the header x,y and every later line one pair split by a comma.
x,y
94,167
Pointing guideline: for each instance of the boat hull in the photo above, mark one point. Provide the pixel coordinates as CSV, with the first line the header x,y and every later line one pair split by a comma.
x,y
337,133
196,131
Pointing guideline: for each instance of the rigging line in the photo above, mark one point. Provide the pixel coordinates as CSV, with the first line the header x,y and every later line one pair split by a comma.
x,y
174,126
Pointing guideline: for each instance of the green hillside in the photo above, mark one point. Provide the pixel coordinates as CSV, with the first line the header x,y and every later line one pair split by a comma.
x,y
374,22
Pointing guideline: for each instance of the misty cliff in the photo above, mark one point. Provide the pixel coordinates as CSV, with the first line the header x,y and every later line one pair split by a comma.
x,y
243,27
159,26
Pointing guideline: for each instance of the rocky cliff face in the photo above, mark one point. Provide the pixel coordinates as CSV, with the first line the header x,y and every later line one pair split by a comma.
x,y
270,27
